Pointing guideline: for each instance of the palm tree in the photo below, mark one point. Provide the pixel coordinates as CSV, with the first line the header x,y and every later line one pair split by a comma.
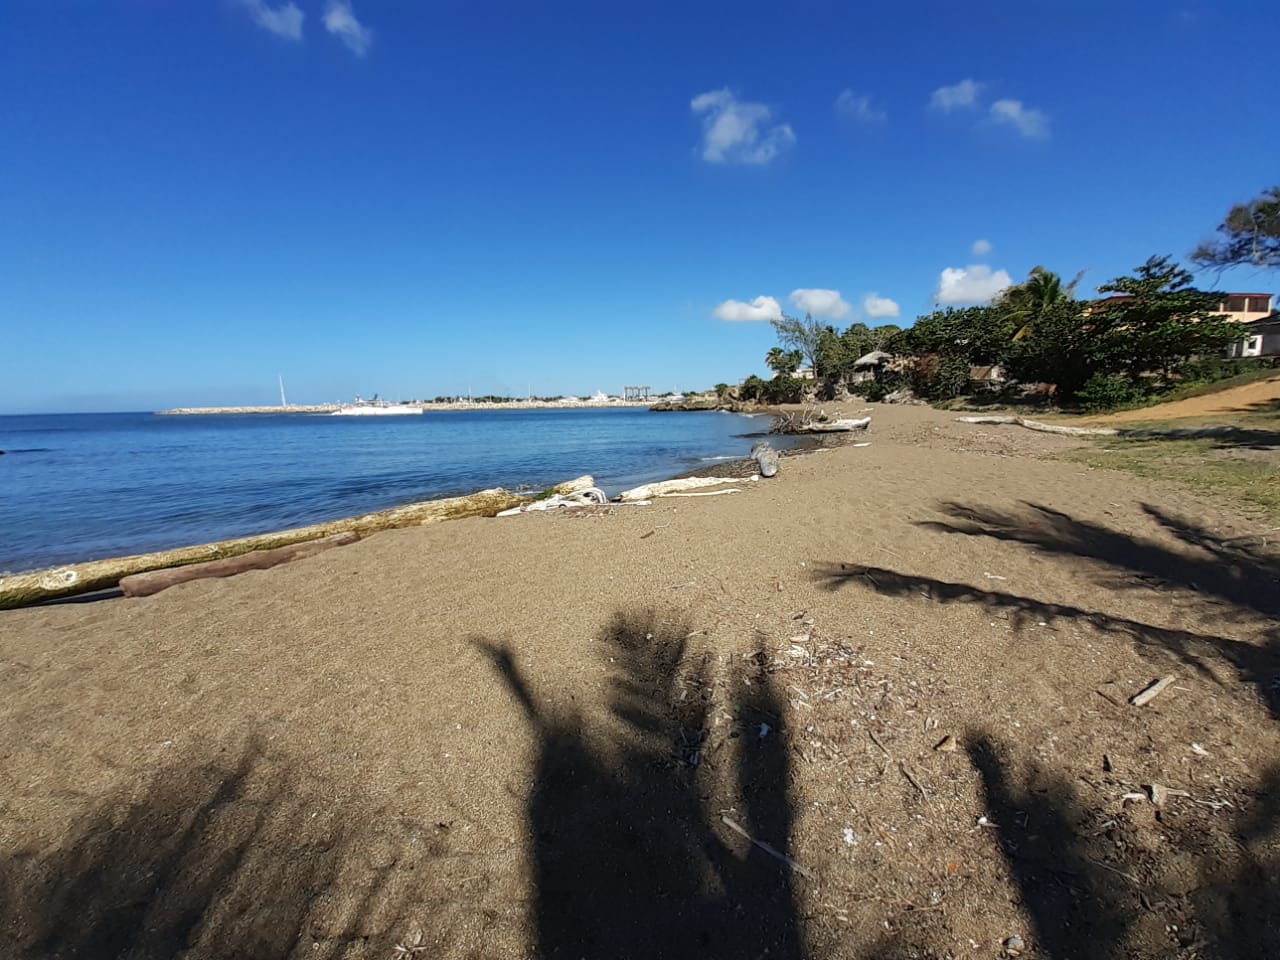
x,y
785,362
1027,302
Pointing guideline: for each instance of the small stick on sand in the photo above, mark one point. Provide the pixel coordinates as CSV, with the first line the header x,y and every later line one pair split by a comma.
x,y
1153,691
767,848
876,741
902,765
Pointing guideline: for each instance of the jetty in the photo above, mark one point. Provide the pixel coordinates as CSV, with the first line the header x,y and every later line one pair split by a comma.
x,y
293,408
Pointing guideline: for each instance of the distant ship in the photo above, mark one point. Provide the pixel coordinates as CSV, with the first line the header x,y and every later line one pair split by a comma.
x,y
374,408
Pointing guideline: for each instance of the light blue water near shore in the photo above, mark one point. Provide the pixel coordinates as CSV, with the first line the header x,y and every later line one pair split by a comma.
x,y
76,487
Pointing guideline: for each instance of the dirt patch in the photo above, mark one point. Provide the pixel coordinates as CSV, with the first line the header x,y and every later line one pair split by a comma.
x,y
1260,397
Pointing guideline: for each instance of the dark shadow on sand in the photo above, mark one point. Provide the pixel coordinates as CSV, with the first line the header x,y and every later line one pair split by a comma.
x,y
631,856
232,857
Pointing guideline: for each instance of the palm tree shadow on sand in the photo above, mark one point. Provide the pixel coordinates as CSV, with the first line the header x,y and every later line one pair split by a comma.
x,y
630,854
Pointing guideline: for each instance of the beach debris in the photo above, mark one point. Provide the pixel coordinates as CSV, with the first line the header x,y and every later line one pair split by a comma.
x,y
850,836
905,395
666,488
1014,946
767,457
1160,794
153,581
1199,750
770,850
946,745
709,493
834,426
765,730
411,948
1044,427
585,497
902,766
1151,692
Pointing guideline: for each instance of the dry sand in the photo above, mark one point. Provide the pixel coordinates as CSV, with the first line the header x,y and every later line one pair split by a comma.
x,y
521,737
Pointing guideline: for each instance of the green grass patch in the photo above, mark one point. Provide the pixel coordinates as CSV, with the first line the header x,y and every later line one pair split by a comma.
x,y
1241,473
1205,389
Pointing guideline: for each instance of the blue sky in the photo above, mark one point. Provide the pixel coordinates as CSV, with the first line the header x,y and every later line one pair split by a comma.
x,y
426,198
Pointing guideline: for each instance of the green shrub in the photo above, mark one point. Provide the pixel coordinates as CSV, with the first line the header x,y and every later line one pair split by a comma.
x,y
1101,392
783,389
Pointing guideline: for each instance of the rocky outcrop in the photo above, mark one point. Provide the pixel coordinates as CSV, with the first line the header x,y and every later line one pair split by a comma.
x,y
687,403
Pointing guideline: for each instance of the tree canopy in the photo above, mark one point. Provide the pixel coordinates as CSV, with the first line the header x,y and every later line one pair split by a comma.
x,y
803,335
1249,235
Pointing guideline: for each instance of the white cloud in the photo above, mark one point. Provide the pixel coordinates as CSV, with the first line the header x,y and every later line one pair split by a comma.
x,y
1028,122
879,307
858,107
342,23
965,286
759,309
820,303
981,248
734,131
963,94
283,21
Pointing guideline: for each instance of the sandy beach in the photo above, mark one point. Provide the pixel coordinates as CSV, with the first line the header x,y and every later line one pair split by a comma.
x,y
558,734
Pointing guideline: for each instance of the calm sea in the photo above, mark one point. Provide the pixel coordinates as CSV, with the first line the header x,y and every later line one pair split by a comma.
x,y
85,486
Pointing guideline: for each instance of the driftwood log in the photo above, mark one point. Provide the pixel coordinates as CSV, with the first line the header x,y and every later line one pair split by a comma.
x,y
767,457
153,581
24,589
1045,427
1174,433
834,426
668,487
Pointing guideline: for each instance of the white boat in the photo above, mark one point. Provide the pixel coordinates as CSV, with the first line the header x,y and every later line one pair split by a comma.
x,y
374,408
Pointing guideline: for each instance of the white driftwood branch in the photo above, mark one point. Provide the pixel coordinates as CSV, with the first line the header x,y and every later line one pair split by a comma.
x,y
666,487
1045,427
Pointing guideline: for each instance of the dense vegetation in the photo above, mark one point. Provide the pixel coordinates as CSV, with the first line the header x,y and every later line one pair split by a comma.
x,y
1152,331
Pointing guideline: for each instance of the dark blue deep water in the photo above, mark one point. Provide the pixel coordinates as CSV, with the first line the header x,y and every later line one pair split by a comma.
x,y
78,487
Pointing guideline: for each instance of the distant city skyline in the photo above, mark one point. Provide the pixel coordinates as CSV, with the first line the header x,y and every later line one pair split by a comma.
x,y
418,200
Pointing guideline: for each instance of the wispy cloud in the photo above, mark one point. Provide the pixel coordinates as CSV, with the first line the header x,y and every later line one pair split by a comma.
x,y
284,20
880,308
981,248
959,96
758,310
858,107
342,23
1032,124
965,286
821,303
735,131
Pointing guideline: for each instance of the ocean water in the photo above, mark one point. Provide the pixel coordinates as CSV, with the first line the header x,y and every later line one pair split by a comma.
x,y
77,487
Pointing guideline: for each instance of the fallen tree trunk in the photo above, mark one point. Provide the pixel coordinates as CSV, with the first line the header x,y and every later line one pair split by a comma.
x,y
1045,427
668,487
24,589
834,426
153,581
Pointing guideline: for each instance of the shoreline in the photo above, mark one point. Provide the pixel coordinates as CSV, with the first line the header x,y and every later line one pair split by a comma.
x,y
735,468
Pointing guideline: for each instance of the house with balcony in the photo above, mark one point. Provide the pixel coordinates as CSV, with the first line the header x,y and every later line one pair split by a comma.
x,y
1260,325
